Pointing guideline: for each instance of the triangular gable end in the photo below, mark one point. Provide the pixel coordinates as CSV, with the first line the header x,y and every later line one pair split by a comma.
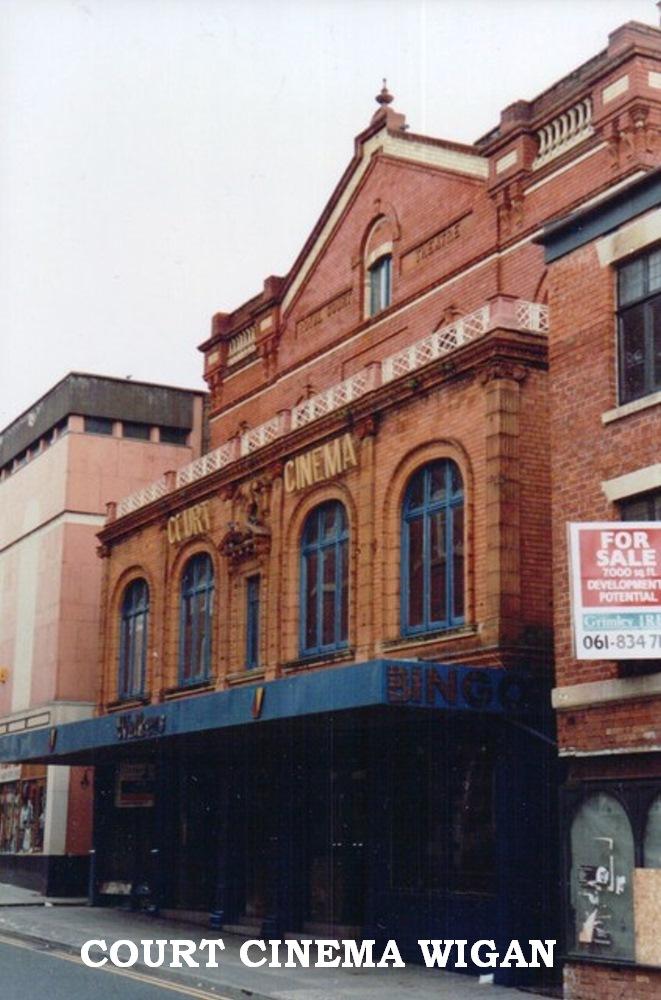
x,y
385,136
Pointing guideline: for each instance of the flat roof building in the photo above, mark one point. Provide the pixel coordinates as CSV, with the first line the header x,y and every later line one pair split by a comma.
x,y
60,462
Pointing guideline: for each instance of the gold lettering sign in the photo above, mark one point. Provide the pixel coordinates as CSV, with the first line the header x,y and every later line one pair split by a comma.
x,y
325,462
440,240
329,309
192,521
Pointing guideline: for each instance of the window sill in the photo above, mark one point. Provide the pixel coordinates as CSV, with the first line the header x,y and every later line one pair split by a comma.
x,y
319,659
627,409
246,676
170,694
126,704
429,638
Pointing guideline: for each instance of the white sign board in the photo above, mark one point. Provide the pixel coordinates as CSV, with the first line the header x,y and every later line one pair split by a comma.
x,y
615,570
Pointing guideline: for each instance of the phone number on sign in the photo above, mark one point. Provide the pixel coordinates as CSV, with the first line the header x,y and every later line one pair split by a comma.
x,y
622,641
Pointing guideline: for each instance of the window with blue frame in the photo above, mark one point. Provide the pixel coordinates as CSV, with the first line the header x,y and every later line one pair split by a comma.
x,y
380,274
325,580
432,585
195,620
252,622
134,621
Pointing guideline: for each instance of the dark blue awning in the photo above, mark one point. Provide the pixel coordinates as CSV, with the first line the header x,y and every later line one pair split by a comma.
x,y
391,683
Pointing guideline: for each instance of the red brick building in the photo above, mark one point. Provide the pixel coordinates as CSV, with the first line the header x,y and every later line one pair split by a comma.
x,y
342,725
605,390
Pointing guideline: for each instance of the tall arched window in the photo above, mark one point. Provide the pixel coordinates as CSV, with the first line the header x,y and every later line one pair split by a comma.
x,y
380,284
433,549
134,619
195,620
325,579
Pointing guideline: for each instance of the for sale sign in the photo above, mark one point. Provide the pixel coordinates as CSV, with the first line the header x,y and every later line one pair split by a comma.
x,y
616,590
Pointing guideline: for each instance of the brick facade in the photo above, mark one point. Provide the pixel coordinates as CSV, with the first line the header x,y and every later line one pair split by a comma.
x,y
603,453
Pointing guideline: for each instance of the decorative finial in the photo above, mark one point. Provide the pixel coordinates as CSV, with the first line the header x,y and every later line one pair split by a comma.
x,y
385,97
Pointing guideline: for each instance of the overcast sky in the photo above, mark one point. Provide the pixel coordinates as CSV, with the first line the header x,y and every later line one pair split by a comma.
x,y
159,158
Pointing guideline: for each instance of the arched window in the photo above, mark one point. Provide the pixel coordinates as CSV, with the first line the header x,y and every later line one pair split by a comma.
x,y
134,618
324,579
433,549
380,284
195,620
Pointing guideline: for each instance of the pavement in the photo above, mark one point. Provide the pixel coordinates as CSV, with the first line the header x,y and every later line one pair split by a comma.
x,y
27,916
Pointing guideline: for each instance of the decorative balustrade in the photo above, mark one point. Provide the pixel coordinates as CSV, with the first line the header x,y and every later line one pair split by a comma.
x,y
259,436
142,497
502,311
335,397
213,461
531,316
241,344
563,132
434,346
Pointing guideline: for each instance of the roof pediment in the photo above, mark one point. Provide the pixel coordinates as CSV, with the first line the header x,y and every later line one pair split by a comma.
x,y
380,141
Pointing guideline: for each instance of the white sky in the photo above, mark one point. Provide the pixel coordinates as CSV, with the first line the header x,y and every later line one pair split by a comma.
x,y
160,158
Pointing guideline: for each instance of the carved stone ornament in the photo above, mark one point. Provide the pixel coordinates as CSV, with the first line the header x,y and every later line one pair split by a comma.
x,y
248,536
503,370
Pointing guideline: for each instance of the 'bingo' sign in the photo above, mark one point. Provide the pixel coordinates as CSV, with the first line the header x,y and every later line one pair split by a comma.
x,y
616,589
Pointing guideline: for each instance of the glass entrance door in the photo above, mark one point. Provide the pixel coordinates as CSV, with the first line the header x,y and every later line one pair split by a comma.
x,y
337,848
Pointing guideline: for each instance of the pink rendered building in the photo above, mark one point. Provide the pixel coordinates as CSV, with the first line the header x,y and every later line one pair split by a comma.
x,y
88,439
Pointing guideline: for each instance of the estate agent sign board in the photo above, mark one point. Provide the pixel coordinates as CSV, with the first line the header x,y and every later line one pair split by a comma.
x,y
616,589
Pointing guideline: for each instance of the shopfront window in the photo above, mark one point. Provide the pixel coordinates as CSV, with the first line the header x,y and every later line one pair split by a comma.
x,y
195,621
601,879
639,326
22,816
433,549
324,580
133,640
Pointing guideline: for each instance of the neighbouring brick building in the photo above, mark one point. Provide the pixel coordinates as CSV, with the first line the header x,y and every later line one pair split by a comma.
x,y
59,463
605,390
341,725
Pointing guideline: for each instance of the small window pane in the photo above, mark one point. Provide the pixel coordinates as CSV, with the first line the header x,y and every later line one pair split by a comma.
x,y
380,285
632,332
311,601
98,425
329,521
415,493
415,573
646,507
328,607
252,622
632,281
438,476
438,575
655,334
344,595
173,435
654,280
131,429
458,561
